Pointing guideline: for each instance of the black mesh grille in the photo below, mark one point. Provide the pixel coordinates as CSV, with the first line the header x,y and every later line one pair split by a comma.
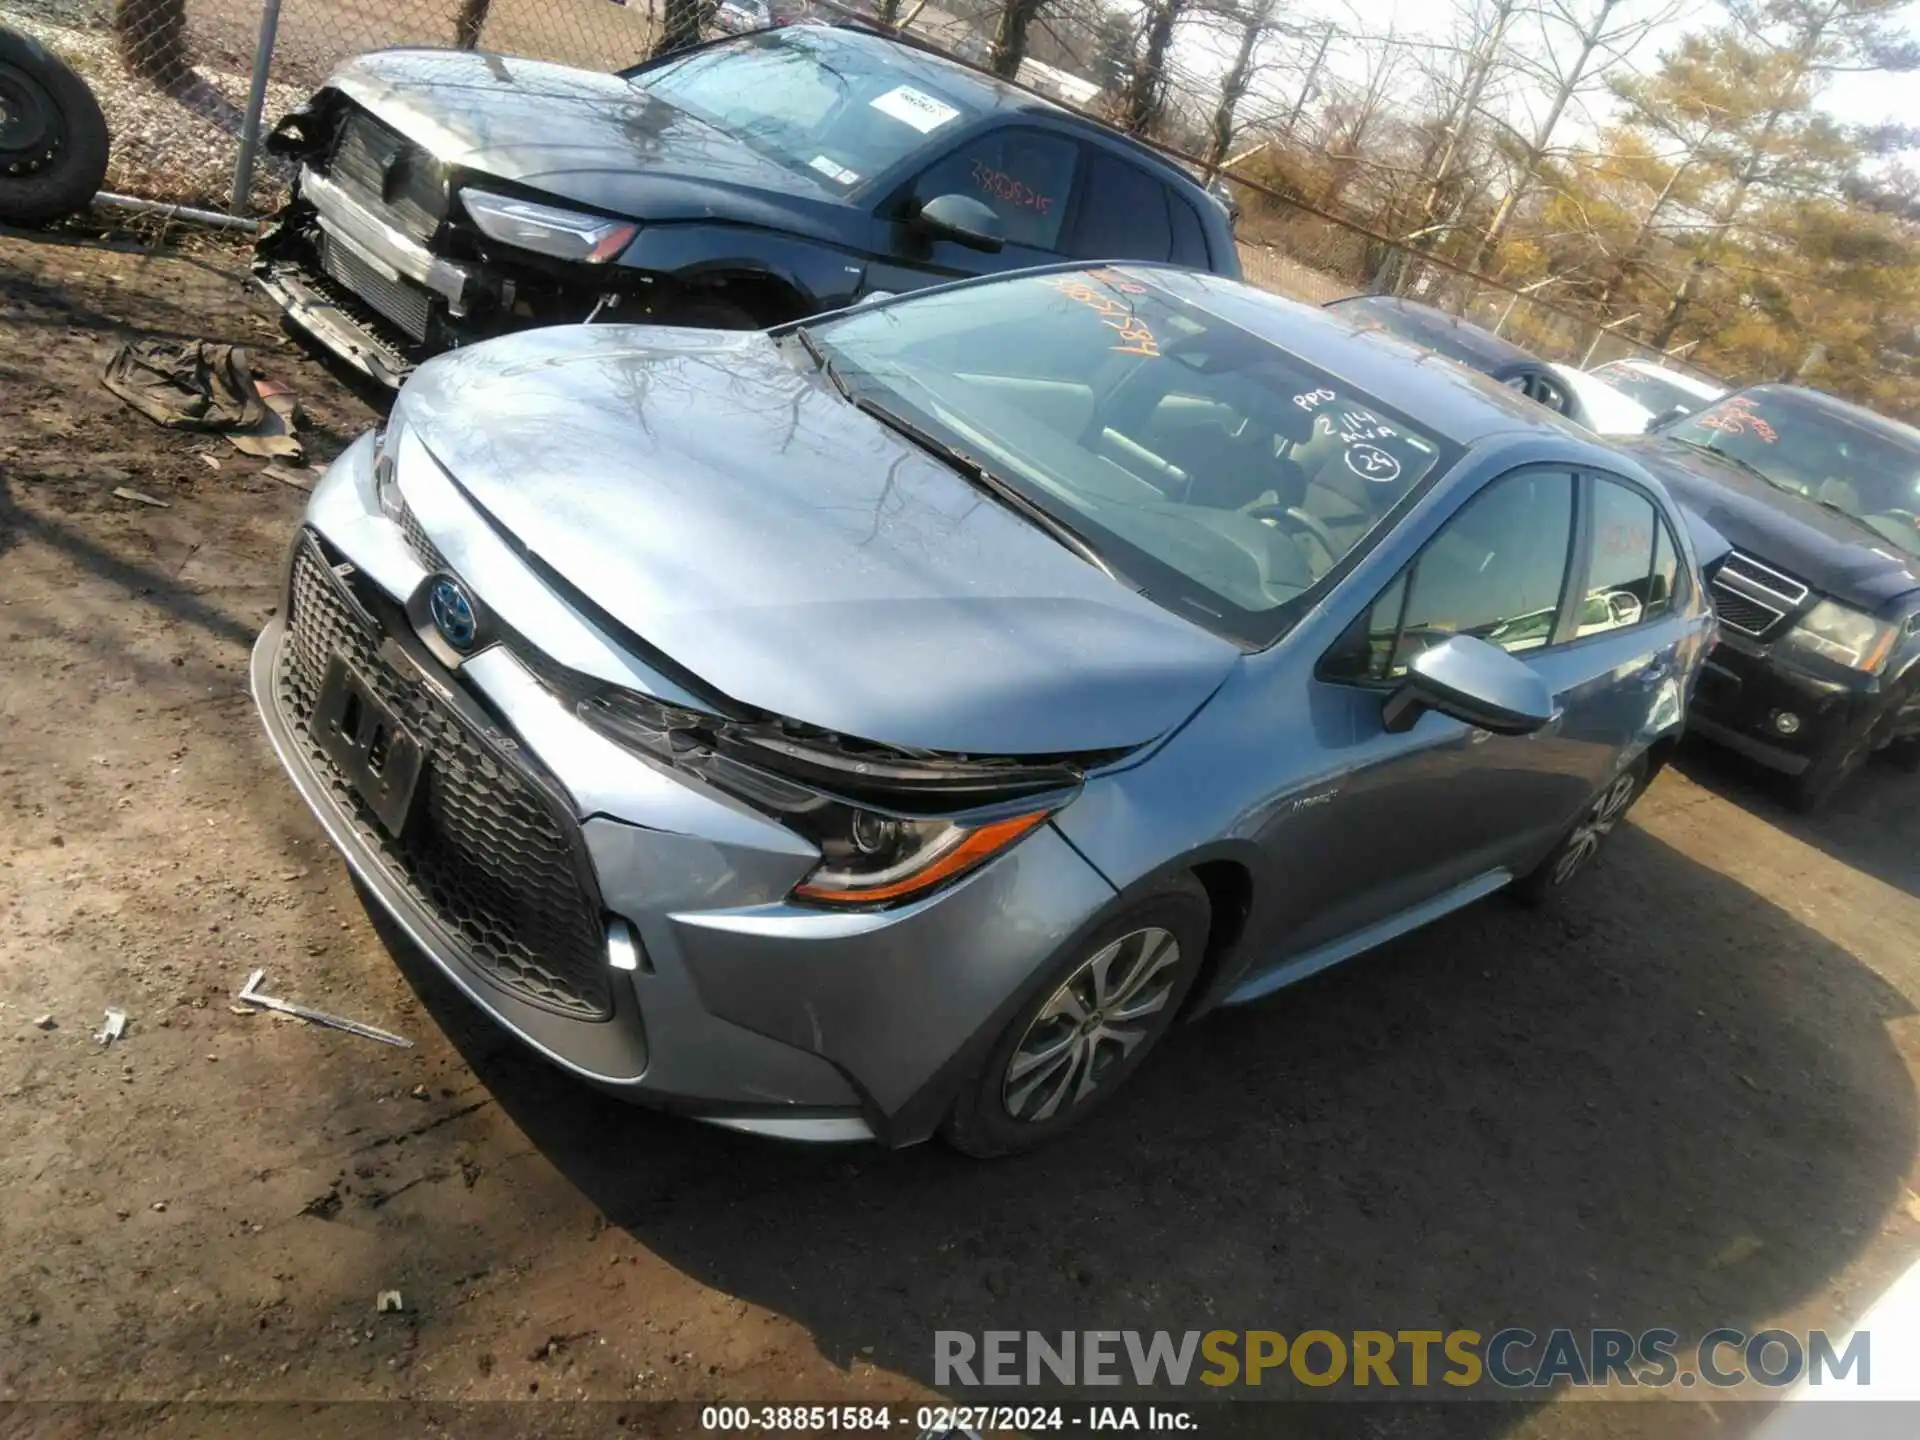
x,y
1749,617
390,174
421,543
403,303
484,852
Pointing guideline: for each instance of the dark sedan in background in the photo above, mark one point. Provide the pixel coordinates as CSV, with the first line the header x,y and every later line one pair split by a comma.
x,y
445,197
1471,345
1818,664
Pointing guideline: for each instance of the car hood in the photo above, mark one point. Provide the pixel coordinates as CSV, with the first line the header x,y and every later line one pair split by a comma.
x,y
738,516
1830,552
578,135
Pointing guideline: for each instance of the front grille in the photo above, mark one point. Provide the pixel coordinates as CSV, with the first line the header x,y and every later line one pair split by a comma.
x,y
485,852
1752,597
390,175
419,541
405,304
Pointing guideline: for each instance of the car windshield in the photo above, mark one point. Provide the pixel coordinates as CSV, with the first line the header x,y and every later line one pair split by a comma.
x,y
1865,469
809,100
1657,395
1223,476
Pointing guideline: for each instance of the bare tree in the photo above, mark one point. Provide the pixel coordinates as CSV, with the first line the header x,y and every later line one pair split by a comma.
x,y
1254,21
1595,37
151,36
679,26
1009,45
1144,93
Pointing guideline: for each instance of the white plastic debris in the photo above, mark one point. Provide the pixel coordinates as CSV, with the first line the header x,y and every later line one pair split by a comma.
x,y
388,1300
114,1028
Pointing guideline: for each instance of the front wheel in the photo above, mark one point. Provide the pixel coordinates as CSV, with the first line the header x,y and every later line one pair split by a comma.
x,y
1576,849
1101,1011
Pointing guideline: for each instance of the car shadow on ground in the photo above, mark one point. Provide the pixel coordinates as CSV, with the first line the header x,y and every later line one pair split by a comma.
x,y
1665,1102
1872,824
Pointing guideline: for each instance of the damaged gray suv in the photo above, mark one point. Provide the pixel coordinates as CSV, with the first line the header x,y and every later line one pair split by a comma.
x,y
893,724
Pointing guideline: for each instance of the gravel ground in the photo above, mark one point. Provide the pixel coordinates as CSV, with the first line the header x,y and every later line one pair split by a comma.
x,y
1685,1097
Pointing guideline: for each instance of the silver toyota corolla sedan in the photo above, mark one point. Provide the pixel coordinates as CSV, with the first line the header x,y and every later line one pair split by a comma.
x,y
893,724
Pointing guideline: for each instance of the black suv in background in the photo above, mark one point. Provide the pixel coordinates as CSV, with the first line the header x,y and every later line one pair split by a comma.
x,y
445,197
1818,662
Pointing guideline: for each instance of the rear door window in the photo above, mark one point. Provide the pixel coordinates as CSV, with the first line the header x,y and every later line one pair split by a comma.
x,y
1632,565
1023,176
1123,213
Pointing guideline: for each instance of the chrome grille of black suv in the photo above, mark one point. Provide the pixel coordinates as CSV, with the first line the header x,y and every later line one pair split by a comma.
x,y
390,175
485,853
1752,597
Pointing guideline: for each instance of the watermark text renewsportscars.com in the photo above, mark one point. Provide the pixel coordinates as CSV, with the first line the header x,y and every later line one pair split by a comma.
x,y
1376,1361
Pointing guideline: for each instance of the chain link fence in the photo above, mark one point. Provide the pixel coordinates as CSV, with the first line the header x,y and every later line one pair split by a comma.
x,y
176,77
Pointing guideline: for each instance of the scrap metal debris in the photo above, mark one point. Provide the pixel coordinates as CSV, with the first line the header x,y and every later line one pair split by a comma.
x,y
121,492
114,1028
250,995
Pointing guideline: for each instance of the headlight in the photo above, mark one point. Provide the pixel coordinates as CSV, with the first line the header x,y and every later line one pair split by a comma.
x,y
564,234
868,855
867,858
1848,637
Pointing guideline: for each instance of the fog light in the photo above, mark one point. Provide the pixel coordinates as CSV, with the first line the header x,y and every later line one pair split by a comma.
x,y
1786,722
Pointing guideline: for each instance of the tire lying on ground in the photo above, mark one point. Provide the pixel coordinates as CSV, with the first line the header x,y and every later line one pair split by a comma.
x,y
53,138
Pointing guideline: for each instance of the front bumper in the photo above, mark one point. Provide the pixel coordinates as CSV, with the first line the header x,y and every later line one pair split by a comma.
x,y
1746,688
722,999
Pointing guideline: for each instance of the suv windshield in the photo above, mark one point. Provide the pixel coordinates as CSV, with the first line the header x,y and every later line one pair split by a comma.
x,y
1865,467
808,100
1223,476
1657,395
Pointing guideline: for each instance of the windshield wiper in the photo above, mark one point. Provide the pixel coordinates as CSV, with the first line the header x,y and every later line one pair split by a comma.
x,y
818,353
984,479
1735,461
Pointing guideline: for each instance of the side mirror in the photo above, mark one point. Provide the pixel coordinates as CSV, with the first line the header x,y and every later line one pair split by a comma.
x,y
963,220
1667,417
1471,680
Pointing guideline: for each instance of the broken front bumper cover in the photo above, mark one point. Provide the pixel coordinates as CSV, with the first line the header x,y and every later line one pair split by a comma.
x,y
285,272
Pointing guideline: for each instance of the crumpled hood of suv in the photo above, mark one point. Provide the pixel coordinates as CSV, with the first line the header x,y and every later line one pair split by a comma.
x,y
738,516
578,135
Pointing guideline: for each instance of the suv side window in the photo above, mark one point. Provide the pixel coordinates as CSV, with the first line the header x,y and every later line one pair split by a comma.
x,y
1496,569
1023,176
1189,235
1632,564
1123,213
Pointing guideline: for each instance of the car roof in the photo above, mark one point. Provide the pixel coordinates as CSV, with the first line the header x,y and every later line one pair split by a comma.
x,y
990,94
1445,397
1692,384
1447,333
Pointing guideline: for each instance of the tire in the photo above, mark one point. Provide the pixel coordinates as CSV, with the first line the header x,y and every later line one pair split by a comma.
x,y
1574,852
1149,951
53,147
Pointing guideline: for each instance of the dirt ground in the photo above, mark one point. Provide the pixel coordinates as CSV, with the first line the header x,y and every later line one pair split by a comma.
x,y
1686,1097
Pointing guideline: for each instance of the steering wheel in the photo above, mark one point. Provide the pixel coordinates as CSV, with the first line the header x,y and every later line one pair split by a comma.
x,y
1292,517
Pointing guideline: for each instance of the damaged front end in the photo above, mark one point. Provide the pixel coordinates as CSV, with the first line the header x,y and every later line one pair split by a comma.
x,y
387,256
892,826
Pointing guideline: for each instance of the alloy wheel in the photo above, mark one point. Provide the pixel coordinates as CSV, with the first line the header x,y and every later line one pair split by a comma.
x,y
1594,827
1098,1017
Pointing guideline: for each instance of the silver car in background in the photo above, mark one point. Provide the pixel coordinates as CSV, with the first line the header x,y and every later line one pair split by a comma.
x,y
892,724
